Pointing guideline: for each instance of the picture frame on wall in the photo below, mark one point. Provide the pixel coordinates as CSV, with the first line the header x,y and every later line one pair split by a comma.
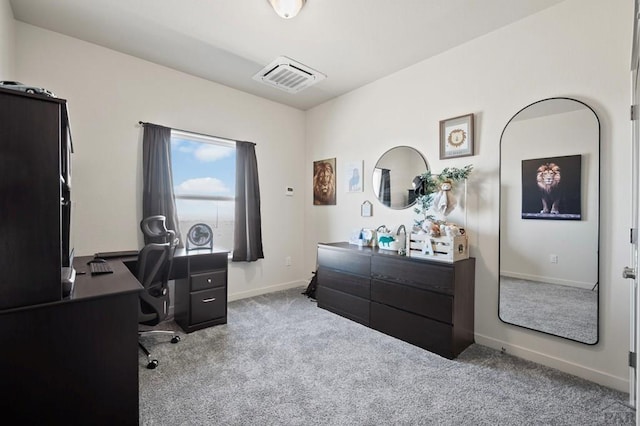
x,y
324,182
353,176
552,188
456,137
366,209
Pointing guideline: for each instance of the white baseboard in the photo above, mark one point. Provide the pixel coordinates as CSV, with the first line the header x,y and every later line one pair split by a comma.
x,y
265,290
550,280
602,378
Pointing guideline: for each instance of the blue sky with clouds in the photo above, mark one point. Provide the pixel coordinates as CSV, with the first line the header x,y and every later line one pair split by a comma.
x,y
203,168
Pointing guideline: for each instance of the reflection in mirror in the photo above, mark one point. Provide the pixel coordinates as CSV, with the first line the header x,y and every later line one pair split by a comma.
x,y
393,176
549,219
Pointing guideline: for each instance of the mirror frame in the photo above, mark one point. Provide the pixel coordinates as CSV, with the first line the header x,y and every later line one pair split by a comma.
x,y
599,210
426,169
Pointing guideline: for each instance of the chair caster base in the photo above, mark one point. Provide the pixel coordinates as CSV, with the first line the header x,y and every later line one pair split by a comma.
x,y
152,364
175,339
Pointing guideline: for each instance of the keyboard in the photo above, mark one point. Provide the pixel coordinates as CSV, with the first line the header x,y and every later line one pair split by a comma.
x,y
100,268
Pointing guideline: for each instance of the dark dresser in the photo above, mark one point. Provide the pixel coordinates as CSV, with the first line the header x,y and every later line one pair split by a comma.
x,y
426,303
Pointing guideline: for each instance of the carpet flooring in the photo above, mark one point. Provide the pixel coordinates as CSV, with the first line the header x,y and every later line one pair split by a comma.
x,y
555,309
280,360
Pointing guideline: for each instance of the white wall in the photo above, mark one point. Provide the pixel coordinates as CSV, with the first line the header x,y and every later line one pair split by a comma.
x,y
579,49
108,93
6,41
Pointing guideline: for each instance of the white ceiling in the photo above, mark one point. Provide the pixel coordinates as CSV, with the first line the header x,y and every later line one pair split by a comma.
x,y
353,42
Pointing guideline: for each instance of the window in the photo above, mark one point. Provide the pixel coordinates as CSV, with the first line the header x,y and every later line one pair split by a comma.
x,y
204,179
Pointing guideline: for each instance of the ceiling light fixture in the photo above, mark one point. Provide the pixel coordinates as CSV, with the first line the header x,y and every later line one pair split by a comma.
x,y
287,9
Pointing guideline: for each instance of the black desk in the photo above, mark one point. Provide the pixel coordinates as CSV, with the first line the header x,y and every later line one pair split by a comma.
x,y
74,361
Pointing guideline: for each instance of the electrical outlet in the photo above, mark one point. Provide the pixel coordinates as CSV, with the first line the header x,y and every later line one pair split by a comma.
x,y
553,258
287,261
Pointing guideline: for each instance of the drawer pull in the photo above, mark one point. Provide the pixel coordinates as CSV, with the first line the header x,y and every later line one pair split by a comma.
x,y
209,280
211,299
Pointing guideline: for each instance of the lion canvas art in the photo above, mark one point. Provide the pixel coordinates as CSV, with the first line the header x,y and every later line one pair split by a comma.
x,y
548,179
324,182
551,188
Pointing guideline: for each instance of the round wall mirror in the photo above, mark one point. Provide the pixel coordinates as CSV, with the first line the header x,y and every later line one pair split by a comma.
x,y
393,176
549,219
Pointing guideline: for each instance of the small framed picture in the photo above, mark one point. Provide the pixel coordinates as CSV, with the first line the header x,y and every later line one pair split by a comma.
x,y
366,209
353,176
456,137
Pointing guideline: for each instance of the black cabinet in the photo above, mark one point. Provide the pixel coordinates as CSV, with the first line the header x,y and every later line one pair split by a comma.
x,y
74,361
201,298
426,303
34,168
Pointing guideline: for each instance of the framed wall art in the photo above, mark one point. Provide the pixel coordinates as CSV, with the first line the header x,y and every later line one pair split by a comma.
x,y
366,209
353,176
456,137
551,188
324,182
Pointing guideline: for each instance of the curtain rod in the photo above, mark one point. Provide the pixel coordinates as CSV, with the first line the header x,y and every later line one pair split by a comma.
x,y
196,133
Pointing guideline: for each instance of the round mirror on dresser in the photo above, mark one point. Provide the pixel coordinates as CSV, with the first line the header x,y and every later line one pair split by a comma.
x,y
393,176
549,219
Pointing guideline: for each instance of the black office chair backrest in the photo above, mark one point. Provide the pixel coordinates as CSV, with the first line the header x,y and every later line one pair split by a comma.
x,y
155,229
154,266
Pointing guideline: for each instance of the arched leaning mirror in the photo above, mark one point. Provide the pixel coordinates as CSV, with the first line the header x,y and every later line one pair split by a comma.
x,y
549,219
393,176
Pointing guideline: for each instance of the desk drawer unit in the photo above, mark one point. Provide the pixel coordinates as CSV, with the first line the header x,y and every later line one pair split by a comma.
x,y
201,299
426,303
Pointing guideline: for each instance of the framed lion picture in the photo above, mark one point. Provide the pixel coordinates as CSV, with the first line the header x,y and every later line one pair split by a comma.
x,y
551,188
324,182
456,137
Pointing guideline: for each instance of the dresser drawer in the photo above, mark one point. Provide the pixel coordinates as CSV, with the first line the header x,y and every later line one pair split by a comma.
x,y
208,304
427,275
422,302
415,329
207,280
346,283
343,260
346,305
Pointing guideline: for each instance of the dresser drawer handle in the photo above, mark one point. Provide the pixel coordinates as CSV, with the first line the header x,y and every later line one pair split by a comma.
x,y
211,299
209,280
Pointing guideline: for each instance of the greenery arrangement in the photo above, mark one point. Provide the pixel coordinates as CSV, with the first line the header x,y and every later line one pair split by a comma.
x,y
430,184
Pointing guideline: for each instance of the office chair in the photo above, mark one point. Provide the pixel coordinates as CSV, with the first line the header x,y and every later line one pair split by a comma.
x,y
155,228
153,270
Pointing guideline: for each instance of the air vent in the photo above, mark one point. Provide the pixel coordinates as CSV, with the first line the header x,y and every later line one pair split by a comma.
x,y
288,75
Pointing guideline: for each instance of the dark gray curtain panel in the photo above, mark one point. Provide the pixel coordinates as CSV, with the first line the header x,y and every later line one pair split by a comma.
x,y
157,182
385,187
248,223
